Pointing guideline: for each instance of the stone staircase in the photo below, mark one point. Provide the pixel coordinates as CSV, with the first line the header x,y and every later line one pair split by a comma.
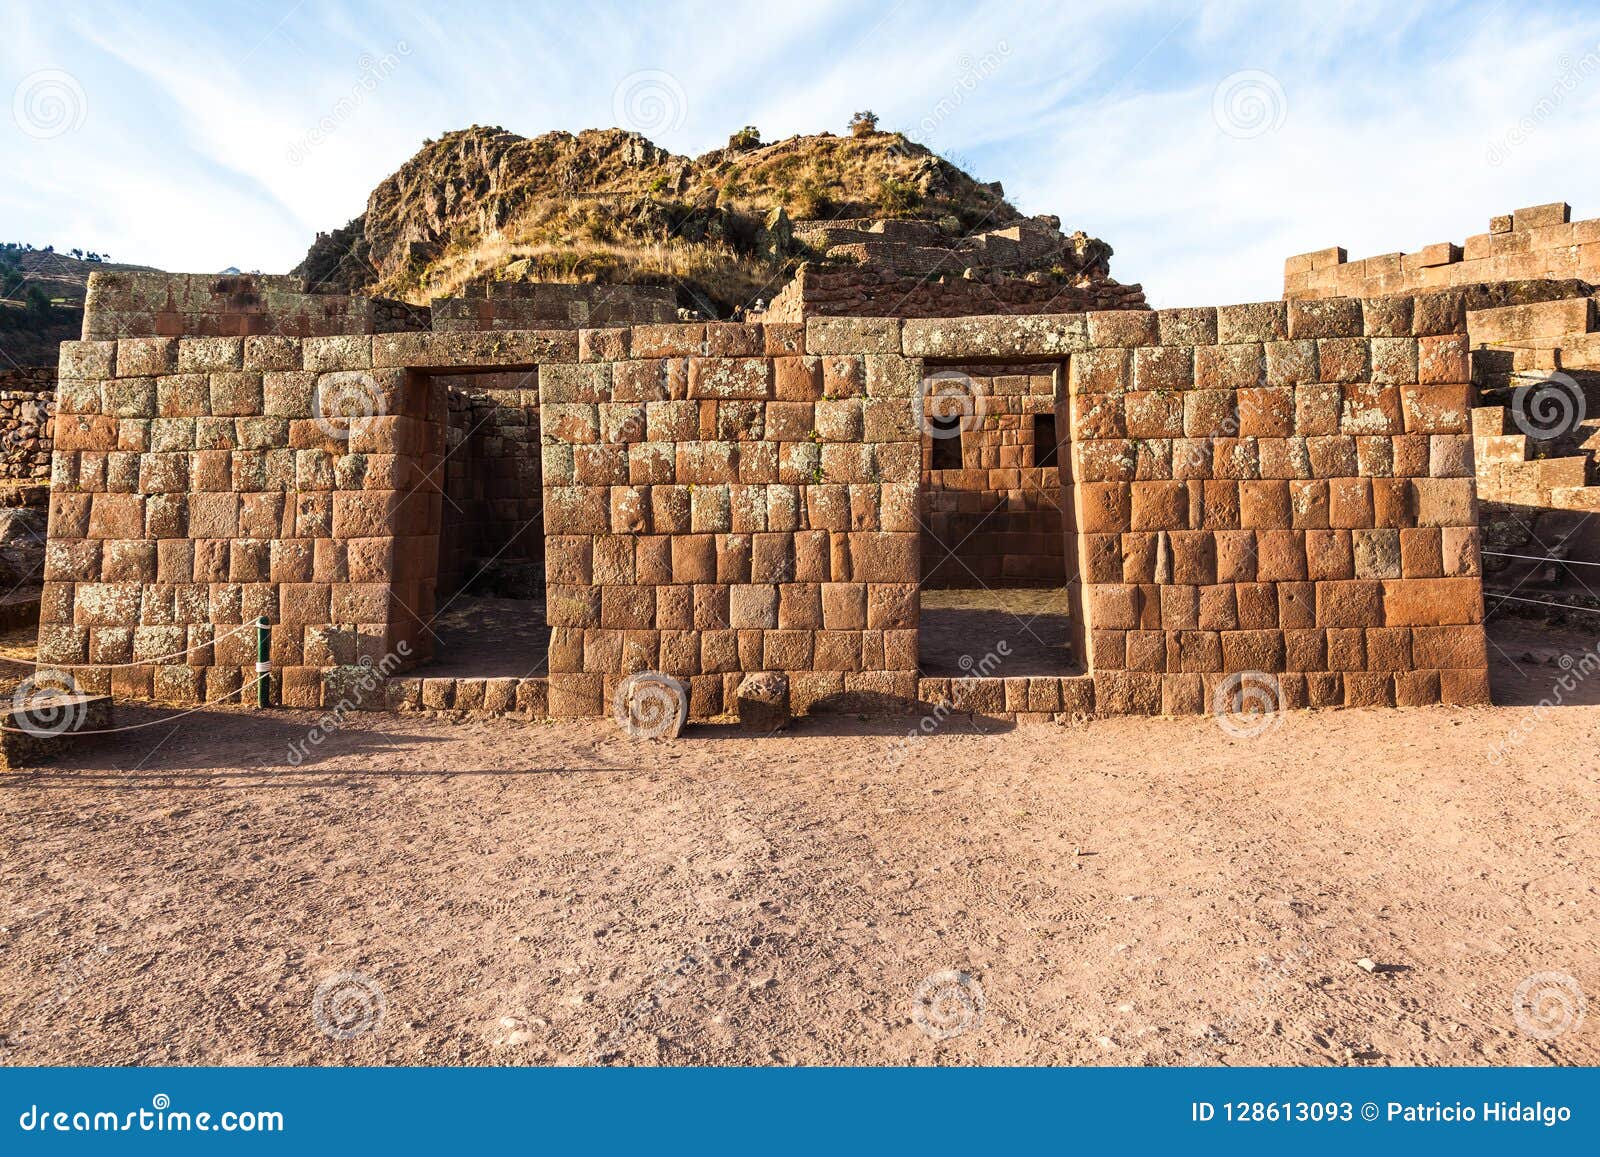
x,y
1544,459
1537,470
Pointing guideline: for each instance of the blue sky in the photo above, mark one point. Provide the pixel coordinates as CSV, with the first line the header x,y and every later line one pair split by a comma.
x,y
1205,142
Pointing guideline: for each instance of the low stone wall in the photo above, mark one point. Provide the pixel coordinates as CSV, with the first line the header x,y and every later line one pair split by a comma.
x,y
27,412
518,305
865,292
1284,488
1540,242
120,304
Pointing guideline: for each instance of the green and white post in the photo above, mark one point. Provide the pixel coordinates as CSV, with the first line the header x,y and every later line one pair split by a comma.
x,y
263,666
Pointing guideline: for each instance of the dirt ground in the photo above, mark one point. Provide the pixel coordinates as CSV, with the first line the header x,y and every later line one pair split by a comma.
x,y
1129,891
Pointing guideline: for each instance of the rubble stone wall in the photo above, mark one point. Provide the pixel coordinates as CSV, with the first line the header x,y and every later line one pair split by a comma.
x,y
867,292
27,411
1283,487
555,306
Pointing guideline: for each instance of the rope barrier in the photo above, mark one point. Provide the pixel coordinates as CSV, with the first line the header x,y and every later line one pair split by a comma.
x,y
1539,558
1543,603
250,626
115,730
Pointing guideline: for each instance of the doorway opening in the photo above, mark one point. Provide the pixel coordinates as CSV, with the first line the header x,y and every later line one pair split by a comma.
x,y
489,615
998,563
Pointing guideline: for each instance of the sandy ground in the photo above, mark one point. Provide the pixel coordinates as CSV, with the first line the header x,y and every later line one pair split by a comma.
x,y
1127,891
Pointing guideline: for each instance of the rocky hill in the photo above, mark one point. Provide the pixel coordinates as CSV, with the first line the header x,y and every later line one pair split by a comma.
x,y
723,229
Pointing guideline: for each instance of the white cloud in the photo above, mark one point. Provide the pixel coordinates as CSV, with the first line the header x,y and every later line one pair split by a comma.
x,y
1101,116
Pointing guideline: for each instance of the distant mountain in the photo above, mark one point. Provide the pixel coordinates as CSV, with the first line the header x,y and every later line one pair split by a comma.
x,y
41,302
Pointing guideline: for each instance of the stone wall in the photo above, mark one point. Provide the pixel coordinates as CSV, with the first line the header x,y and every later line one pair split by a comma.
x,y
1539,243
1283,487
997,519
121,304
195,487
519,305
866,292
27,409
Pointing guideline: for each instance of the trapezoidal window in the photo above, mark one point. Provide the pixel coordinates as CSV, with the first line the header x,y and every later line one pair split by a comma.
x,y
946,448
1045,444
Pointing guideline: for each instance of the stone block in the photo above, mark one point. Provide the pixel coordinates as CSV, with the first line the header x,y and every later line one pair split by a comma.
x,y
763,702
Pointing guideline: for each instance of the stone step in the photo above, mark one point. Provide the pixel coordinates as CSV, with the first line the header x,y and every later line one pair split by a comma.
x,y
1523,324
1581,352
1488,421
1501,448
1584,498
38,729
1563,473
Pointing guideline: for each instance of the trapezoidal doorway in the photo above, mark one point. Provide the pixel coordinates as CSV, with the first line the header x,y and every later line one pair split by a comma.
x,y
489,618
996,596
